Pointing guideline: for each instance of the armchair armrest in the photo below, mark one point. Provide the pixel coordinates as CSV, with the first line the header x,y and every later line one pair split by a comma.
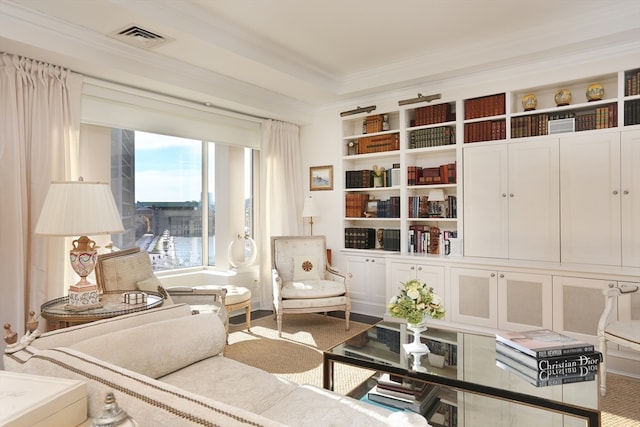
x,y
345,278
611,296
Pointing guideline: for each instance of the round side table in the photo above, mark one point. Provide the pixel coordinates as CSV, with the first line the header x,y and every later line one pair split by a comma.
x,y
59,317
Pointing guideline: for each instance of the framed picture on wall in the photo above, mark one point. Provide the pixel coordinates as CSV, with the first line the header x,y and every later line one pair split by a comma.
x,y
321,178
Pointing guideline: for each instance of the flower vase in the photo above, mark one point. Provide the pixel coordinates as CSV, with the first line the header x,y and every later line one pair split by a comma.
x,y
377,181
416,348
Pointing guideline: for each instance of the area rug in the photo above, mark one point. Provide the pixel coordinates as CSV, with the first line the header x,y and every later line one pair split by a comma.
x,y
297,356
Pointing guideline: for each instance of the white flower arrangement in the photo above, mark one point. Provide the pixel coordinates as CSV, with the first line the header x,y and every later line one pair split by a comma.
x,y
416,301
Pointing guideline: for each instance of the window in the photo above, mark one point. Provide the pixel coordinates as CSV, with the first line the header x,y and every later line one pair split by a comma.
x,y
161,185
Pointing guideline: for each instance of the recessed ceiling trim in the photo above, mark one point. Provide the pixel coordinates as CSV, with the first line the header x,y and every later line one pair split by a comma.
x,y
135,35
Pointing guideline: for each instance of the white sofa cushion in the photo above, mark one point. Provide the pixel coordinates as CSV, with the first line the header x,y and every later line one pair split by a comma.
x,y
231,382
305,268
309,406
159,348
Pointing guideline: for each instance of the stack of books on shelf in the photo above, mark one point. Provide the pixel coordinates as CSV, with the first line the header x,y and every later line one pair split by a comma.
x,y
355,204
544,357
404,394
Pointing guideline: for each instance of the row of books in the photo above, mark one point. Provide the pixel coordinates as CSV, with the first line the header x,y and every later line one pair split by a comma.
x,y
544,357
632,84
430,240
359,238
533,125
405,394
373,123
388,208
432,114
490,130
421,207
355,204
432,137
443,174
632,113
485,106
602,118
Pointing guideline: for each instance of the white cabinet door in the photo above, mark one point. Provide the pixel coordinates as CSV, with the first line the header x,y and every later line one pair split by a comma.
x,y
524,301
485,201
630,179
474,297
534,200
511,201
368,284
577,306
590,198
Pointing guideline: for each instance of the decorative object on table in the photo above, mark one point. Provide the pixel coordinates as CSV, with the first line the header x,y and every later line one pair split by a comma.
x,y
112,415
416,302
595,92
434,203
321,178
309,210
529,102
242,251
80,208
32,323
562,97
134,297
378,176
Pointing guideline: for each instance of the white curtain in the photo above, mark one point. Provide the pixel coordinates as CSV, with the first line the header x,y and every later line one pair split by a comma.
x,y
281,183
39,126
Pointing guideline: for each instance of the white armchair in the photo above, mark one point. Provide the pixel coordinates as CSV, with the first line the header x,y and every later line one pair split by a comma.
x,y
622,332
303,280
131,269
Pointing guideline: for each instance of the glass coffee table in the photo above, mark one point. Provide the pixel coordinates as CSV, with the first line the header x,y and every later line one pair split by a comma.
x,y
473,390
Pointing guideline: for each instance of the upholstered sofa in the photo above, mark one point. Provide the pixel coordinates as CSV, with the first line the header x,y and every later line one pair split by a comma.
x,y
166,368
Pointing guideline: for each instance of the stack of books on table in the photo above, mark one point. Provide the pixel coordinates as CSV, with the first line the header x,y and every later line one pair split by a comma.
x,y
404,394
544,357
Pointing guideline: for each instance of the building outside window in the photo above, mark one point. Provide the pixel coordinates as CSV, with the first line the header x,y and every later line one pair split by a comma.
x,y
161,184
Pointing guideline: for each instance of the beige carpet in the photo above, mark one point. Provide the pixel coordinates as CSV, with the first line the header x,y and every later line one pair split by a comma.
x,y
297,356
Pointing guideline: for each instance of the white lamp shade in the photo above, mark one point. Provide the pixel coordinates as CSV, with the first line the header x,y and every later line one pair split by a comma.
x,y
310,208
436,195
79,208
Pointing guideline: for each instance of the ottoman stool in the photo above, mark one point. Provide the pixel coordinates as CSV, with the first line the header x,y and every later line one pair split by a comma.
x,y
239,297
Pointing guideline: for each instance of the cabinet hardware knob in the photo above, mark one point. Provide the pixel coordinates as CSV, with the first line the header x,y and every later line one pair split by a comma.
x,y
615,192
413,268
612,285
419,268
504,194
493,274
502,276
373,260
510,194
625,192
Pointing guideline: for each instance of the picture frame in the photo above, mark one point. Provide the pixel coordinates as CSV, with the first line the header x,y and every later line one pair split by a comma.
x,y
321,178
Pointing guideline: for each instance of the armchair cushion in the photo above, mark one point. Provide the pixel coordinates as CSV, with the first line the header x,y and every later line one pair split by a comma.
x,y
305,268
312,289
184,341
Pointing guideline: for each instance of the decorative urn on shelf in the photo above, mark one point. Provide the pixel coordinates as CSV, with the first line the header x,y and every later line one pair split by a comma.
x,y
595,92
529,102
563,97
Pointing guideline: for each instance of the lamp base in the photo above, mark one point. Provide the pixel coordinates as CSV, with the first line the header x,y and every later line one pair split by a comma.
x,y
83,298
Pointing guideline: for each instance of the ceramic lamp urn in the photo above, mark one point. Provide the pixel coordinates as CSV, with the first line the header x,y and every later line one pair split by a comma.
x,y
529,102
563,97
595,92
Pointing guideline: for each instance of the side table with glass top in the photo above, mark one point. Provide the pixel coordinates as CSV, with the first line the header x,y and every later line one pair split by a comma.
x,y
112,305
477,391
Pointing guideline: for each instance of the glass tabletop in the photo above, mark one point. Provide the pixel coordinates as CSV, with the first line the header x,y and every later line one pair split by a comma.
x,y
465,365
112,305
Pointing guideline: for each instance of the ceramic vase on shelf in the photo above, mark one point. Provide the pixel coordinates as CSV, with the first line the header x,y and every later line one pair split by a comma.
x,y
563,97
529,102
595,92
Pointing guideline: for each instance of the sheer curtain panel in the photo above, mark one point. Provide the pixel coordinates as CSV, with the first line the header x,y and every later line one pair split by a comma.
x,y
39,125
281,183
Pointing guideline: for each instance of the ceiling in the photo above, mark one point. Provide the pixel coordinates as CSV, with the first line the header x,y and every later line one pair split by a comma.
x,y
286,58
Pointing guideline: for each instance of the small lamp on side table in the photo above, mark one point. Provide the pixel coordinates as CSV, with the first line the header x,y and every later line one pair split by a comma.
x,y
80,208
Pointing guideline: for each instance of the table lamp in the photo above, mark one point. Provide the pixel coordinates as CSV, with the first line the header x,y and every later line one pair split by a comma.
x,y
433,200
80,208
309,210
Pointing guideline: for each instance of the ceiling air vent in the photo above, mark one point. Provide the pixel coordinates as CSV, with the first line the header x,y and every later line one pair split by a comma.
x,y
139,37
